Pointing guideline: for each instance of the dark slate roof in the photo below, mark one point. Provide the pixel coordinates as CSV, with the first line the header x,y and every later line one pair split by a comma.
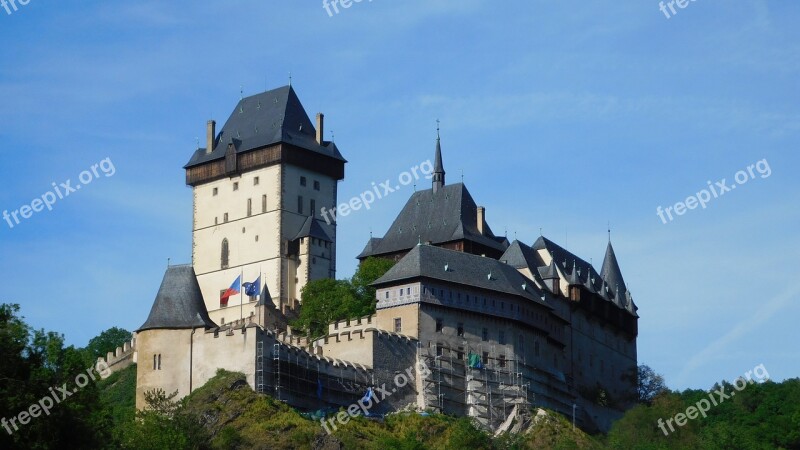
x,y
519,255
447,215
550,272
428,261
266,298
369,249
611,272
179,303
265,119
438,166
312,228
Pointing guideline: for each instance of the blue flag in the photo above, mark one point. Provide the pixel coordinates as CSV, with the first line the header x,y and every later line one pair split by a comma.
x,y
254,288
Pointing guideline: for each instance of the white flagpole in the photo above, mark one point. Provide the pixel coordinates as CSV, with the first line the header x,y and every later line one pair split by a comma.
x,y
241,292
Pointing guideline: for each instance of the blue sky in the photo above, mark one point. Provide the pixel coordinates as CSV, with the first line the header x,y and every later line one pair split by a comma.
x,y
561,115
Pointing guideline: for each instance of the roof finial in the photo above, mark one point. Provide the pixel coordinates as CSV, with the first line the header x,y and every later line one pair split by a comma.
x,y
462,176
168,259
540,232
290,79
609,231
333,137
241,92
437,129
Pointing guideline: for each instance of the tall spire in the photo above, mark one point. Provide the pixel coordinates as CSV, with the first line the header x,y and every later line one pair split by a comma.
x,y
611,272
438,167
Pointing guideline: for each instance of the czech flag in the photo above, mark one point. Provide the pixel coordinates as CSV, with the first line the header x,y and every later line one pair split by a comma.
x,y
233,290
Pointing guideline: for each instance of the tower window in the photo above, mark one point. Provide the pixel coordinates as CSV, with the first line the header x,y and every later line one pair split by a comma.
x,y
439,325
215,191
316,185
236,186
302,181
461,330
299,204
313,208
249,207
256,181
225,254
225,218
263,203
398,325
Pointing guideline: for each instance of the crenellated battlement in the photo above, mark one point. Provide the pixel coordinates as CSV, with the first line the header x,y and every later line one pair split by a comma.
x,y
117,360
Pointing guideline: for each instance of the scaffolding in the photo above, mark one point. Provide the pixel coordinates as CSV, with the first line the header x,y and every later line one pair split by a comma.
x,y
276,367
260,382
489,393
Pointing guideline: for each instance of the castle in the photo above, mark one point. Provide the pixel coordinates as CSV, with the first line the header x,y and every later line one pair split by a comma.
x,y
498,326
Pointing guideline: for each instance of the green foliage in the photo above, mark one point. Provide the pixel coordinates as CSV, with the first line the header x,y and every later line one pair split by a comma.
x,y
327,300
108,341
33,363
368,271
649,383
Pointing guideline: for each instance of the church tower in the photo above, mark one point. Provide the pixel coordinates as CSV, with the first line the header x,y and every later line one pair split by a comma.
x,y
259,187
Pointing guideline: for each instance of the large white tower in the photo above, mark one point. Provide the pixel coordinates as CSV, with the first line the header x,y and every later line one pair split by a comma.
x,y
259,187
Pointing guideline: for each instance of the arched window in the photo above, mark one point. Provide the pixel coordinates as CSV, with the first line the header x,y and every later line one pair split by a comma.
x,y
225,254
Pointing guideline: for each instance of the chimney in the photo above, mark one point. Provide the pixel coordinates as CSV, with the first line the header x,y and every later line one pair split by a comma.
x,y
320,127
481,219
211,134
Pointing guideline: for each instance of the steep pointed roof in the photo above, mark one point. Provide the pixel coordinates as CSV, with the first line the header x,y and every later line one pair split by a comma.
x,y
179,302
369,249
611,272
551,273
438,180
265,119
437,217
266,297
519,256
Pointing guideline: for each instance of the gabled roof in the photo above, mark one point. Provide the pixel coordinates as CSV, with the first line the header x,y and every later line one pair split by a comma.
x,y
179,302
265,119
519,256
444,216
369,249
312,228
611,272
428,261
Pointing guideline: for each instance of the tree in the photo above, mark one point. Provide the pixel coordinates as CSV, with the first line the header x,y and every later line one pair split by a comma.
x,y
328,300
649,384
325,301
108,341
368,271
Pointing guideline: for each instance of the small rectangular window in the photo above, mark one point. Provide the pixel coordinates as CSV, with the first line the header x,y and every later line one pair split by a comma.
x,y
215,191
502,361
461,330
299,204
302,181
313,208
263,203
398,325
439,350
249,207
225,218
236,186
485,358
439,325
316,185
256,181
387,294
